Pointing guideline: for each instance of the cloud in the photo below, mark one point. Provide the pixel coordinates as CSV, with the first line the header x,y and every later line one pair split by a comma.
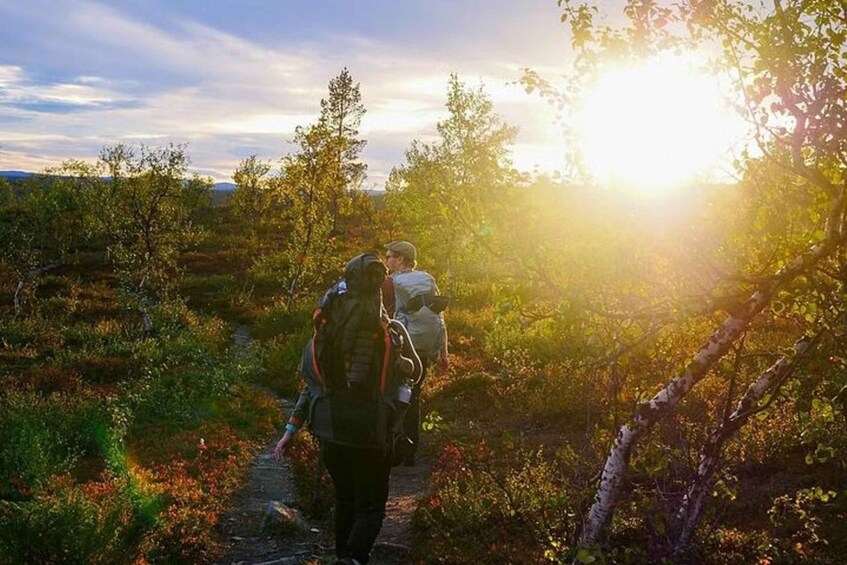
x,y
18,90
102,75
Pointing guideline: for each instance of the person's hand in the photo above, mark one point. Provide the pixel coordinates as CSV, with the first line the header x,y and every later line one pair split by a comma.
x,y
282,445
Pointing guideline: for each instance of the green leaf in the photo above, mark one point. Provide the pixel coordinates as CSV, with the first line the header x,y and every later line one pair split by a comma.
x,y
585,556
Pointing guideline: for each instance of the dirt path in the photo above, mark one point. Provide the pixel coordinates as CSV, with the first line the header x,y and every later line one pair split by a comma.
x,y
242,527
270,480
407,485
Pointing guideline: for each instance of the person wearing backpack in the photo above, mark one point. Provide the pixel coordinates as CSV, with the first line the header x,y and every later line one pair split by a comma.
x,y
412,297
360,368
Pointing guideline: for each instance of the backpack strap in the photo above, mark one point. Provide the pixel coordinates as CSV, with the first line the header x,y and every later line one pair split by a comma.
x,y
401,299
386,356
389,300
317,321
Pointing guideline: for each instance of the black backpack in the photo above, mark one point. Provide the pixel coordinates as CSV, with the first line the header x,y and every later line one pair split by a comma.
x,y
349,362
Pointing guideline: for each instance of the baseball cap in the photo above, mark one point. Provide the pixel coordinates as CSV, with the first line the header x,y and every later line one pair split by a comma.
x,y
404,248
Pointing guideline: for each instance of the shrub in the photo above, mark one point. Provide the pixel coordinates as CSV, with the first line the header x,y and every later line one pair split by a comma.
x,y
312,481
495,506
280,363
277,320
33,331
43,436
98,522
176,395
197,472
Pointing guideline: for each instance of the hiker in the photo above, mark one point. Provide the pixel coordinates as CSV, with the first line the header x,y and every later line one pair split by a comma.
x,y
411,296
360,368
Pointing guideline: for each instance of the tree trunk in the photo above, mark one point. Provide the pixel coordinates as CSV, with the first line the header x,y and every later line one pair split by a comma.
x,y
769,382
648,413
33,276
17,299
662,404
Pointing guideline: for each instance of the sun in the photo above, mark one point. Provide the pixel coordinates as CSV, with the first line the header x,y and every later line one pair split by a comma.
x,y
654,127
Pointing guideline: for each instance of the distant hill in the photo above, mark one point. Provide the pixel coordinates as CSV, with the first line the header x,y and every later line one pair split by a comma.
x,y
221,191
14,176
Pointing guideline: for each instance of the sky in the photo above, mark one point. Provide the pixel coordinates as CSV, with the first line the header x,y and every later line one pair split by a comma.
x,y
234,78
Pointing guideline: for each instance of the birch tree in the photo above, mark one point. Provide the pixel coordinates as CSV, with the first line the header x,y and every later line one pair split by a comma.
x,y
43,220
306,188
786,62
252,199
147,205
448,191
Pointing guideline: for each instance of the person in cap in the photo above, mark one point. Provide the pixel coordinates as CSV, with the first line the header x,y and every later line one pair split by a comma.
x,y
411,296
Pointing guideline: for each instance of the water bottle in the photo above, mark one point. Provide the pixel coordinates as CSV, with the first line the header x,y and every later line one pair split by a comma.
x,y
404,395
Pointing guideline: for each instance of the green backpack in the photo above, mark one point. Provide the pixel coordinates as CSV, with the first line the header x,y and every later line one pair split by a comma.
x,y
349,364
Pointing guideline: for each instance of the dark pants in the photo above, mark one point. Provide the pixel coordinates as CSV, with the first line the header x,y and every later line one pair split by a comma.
x,y
412,420
360,477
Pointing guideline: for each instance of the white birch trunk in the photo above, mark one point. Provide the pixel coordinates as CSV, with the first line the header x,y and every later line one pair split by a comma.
x,y
17,298
662,404
614,471
710,459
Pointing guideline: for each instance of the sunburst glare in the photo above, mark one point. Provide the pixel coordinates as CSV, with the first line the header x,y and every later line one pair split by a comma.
x,y
654,127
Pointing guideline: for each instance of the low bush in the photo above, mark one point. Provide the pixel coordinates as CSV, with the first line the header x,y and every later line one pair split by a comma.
x,y
281,362
97,522
31,332
44,436
276,321
197,472
503,505
314,486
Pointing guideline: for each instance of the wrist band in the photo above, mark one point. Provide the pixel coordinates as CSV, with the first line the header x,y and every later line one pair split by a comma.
x,y
291,428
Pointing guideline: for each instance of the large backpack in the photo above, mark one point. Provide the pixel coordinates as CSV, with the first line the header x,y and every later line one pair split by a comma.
x,y
418,308
349,364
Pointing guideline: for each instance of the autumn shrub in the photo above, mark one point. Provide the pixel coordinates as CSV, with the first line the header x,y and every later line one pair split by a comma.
x,y
161,502
197,476
496,505
311,479
101,521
